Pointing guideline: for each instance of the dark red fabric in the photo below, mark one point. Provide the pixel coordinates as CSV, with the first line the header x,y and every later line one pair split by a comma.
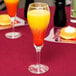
x,y
16,55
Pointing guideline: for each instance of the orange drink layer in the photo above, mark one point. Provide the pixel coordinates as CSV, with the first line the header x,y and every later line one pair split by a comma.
x,y
38,21
11,7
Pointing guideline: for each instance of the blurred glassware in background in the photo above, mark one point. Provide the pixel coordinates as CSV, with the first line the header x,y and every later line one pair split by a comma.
x,y
73,11
68,2
12,9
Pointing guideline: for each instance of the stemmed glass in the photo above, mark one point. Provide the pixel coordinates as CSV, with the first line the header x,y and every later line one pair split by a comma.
x,y
38,17
12,8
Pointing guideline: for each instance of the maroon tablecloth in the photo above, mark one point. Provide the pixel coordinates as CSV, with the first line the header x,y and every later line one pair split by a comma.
x,y
16,55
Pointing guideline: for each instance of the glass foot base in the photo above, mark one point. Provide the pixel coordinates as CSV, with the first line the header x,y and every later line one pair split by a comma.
x,y
38,69
13,35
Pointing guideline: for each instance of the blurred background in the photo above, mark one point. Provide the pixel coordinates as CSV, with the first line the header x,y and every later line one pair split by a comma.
x,y
22,3
50,2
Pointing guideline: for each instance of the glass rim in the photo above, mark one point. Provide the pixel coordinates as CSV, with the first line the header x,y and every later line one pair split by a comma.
x,y
45,5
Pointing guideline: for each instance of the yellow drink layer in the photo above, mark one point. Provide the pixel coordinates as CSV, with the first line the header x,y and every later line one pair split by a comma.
x,y
11,1
38,19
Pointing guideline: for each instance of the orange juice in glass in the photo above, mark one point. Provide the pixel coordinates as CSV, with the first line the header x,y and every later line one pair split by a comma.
x,y
12,9
38,17
38,21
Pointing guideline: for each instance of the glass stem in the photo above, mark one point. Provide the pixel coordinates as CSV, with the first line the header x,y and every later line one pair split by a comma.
x,y
38,51
12,23
38,61
38,58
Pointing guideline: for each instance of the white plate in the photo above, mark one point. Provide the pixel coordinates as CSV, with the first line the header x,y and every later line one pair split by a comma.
x,y
55,38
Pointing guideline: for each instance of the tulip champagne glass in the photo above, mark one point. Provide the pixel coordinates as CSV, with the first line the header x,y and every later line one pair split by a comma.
x,y
38,17
12,8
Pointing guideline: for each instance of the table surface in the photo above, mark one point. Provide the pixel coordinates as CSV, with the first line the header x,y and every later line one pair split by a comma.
x,y
16,55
